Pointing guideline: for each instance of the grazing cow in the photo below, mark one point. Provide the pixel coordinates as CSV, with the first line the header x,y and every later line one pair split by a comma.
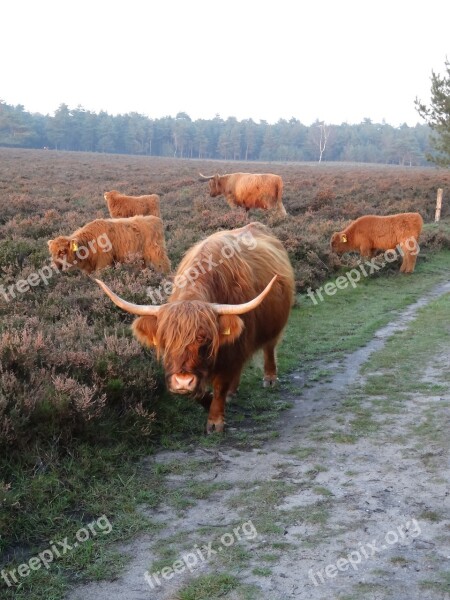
x,y
232,295
104,242
248,190
370,233
121,206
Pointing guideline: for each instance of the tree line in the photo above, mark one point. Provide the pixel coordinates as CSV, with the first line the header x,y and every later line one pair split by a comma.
x,y
133,133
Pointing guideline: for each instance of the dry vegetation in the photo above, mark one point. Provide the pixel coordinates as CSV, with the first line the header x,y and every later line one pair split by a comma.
x,y
66,354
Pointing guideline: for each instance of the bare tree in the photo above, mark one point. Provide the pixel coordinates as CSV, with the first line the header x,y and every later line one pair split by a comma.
x,y
324,135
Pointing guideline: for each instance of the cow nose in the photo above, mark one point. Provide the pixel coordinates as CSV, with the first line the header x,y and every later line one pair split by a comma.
x,y
183,382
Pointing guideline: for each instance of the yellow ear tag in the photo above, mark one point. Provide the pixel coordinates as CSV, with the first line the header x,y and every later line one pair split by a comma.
x,y
74,246
226,331
154,341
343,238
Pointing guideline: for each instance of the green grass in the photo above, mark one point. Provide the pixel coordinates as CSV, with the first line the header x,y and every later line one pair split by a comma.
x,y
323,491
65,497
431,515
442,584
401,374
346,321
396,373
216,586
302,452
209,587
313,514
262,571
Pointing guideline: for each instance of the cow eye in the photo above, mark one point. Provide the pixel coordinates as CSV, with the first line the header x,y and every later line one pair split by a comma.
x,y
204,350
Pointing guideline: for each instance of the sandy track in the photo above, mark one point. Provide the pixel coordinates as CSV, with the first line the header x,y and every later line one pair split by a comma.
x,y
376,489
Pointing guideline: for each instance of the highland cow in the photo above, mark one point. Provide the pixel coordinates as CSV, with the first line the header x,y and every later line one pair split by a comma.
x,y
121,206
233,293
248,190
104,242
371,233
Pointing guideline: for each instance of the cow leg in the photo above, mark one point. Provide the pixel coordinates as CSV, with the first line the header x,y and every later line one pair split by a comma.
x,y
412,263
403,265
153,258
366,252
150,260
270,365
161,261
408,262
281,210
405,259
234,386
216,415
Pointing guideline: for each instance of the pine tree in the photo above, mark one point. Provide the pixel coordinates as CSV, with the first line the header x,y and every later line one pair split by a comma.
x,y
437,115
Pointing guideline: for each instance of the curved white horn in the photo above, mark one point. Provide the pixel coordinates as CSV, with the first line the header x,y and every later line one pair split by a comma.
x,y
205,177
240,309
143,310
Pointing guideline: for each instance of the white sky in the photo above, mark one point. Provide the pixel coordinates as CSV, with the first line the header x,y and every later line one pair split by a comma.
x,y
333,60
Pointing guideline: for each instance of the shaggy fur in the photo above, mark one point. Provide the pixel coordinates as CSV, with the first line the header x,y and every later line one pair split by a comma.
x,y
249,190
121,206
193,339
370,233
104,242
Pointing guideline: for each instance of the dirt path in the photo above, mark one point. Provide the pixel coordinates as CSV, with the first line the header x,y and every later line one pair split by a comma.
x,y
358,518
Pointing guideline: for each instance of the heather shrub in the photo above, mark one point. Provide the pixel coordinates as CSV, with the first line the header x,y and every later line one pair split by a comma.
x,y
69,366
435,236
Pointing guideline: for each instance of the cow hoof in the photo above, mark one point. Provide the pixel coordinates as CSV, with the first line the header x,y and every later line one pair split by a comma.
x,y
214,427
269,381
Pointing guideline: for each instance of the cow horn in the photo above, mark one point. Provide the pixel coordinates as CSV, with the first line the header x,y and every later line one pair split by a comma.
x,y
205,178
240,309
143,310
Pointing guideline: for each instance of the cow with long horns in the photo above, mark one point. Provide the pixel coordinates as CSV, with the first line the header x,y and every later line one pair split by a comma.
x,y
248,190
233,293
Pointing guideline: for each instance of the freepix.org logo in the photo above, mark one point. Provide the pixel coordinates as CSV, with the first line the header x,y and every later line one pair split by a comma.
x,y
404,533
47,272
200,554
56,550
190,276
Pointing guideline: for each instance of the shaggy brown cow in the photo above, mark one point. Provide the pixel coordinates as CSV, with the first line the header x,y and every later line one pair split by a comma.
x,y
104,242
232,295
248,190
121,206
371,233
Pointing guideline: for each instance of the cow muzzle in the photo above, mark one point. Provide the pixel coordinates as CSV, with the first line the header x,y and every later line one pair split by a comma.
x,y
183,383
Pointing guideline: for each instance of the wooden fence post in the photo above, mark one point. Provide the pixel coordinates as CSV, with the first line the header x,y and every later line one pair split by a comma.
x,y
437,216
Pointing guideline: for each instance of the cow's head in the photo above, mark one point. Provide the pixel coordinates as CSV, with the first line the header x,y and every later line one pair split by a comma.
x,y
339,242
187,335
63,251
215,184
110,195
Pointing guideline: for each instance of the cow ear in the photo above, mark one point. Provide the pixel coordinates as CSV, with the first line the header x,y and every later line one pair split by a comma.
x,y
144,329
230,328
